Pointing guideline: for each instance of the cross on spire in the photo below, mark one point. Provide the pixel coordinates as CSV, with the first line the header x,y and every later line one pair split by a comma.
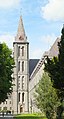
x,y
20,11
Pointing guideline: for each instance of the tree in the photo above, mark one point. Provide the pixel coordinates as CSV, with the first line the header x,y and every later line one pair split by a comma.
x,y
6,70
46,97
55,68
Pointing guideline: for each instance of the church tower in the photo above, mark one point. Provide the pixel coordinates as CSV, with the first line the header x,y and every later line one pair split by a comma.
x,y
21,71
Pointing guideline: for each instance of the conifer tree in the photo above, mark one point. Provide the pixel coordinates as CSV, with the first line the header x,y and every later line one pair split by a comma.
x,y
46,97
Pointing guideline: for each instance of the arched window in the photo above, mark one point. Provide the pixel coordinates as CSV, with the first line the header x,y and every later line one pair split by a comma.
x,y
19,51
22,97
22,66
22,50
19,66
19,97
22,82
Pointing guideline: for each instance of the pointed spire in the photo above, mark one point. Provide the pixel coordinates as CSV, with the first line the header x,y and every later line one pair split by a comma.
x,y
21,32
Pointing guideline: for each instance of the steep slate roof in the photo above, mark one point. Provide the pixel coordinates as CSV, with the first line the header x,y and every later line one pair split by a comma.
x,y
54,49
32,64
21,36
51,53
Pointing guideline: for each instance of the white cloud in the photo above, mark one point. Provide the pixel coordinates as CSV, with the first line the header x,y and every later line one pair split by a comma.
x,y
48,40
53,10
36,53
8,39
9,3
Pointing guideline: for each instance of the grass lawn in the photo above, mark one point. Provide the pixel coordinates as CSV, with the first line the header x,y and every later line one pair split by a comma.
x,y
29,116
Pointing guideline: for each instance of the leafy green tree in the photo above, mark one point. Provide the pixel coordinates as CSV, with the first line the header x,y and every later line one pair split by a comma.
x,y
46,97
55,68
6,70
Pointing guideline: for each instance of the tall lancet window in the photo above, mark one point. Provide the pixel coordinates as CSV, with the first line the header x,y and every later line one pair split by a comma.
x,y
22,66
22,97
22,82
19,66
22,50
19,97
19,51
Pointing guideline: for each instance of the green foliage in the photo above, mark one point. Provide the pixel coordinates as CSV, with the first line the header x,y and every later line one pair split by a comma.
x,y
46,97
55,68
6,66
29,116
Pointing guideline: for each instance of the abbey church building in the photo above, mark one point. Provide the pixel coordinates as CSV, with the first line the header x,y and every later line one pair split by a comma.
x,y
26,73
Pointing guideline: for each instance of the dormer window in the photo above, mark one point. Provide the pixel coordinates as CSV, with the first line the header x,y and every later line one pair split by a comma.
x,y
21,38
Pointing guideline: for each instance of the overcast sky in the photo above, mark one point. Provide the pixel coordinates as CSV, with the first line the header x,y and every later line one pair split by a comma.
x,y
42,19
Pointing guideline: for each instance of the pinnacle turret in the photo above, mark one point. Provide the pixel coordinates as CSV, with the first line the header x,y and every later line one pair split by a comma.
x,y
21,32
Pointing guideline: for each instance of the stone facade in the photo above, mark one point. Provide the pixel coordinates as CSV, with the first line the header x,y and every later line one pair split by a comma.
x,y
21,71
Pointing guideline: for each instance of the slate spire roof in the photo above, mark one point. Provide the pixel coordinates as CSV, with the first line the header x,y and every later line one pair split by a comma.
x,y
21,36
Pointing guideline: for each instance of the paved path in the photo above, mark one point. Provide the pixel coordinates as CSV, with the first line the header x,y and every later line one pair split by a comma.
x,y
6,117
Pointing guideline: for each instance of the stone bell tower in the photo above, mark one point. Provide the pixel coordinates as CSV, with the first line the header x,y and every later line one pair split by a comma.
x,y
21,71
